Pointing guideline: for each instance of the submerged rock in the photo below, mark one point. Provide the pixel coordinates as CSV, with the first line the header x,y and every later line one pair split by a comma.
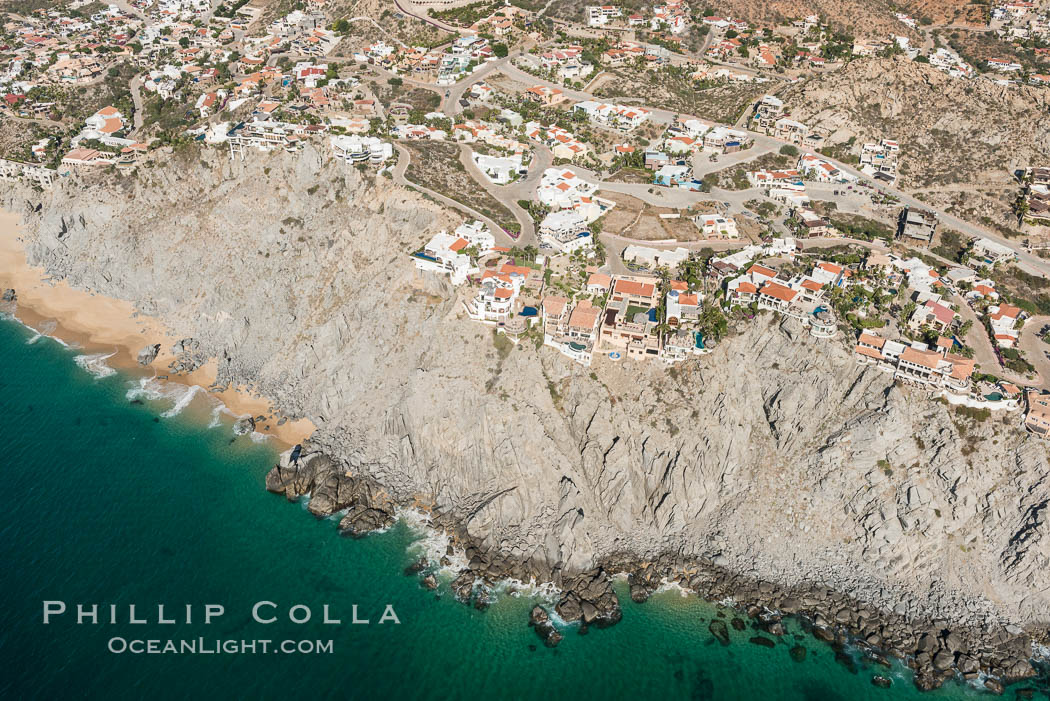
x,y
994,685
417,566
719,629
881,682
762,640
463,585
798,653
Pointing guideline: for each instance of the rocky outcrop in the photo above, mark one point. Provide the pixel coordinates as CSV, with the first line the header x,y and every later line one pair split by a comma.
x,y
776,455
148,354
541,623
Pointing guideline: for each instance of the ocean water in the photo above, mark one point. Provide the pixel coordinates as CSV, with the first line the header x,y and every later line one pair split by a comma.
x,y
111,497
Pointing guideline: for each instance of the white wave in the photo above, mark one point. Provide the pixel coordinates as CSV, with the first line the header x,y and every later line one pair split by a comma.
x,y
432,543
38,334
671,585
217,412
183,401
546,591
95,363
154,390
1040,652
258,437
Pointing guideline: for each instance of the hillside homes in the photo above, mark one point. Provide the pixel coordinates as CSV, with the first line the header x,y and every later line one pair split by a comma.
x,y
624,118
916,226
562,143
1005,321
880,160
1037,194
813,167
916,363
571,329
630,318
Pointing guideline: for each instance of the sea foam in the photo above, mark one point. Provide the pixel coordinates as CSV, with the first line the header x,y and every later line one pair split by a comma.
x,y
95,363
180,396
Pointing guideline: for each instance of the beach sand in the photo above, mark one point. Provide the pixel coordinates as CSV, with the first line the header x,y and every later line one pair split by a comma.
x,y
98,324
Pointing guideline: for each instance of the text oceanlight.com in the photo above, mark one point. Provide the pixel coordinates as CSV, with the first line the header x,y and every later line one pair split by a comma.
x,y
202,646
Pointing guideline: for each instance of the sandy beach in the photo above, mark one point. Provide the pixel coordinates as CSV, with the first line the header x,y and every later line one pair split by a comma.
x,y
98,324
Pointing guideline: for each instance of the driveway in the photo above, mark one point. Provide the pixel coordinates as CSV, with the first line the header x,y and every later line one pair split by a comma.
x,y
984,353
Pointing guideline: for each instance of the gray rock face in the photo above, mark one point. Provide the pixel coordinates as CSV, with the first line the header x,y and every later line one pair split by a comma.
x,y
9,295
244,425
148,354
776,455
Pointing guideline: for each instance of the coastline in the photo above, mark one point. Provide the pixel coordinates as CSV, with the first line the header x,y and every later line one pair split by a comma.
x,y
95,324
360,447
991,656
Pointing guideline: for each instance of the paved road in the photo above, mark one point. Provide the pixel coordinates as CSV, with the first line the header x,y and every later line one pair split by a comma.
x,y
450,104
136,99
984,353
410,9
501,193
1027,261
398,174
1034,348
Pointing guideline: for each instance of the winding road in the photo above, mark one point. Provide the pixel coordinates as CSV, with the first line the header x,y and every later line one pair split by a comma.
x,y
398,175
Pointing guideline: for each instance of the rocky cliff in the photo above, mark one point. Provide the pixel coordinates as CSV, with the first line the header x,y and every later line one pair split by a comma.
x,y
775,459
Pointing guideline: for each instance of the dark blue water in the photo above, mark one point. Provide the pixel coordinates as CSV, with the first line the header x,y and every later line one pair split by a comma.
x,y
107,502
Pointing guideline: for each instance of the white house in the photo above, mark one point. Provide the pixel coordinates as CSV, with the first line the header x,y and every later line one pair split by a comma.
x,y
654,257
565,231
993,252
477,235
822,171
443,255
500,170
716,226
354,148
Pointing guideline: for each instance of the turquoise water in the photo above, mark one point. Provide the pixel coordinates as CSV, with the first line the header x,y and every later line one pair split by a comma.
x,y
105,501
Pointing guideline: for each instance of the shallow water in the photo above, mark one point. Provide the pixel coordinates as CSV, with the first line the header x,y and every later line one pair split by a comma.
x,y
111,497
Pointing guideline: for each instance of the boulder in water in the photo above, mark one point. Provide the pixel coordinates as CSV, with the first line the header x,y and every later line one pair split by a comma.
x,y
244,425
417,566
541,623
719,629
798,653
